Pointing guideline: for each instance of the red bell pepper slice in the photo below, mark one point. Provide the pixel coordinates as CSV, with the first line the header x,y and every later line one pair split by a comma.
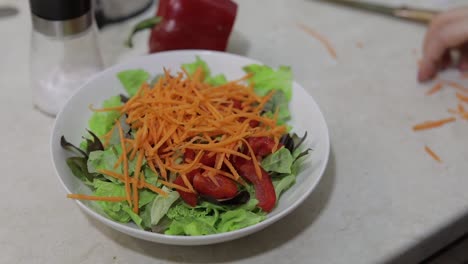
x,y
225,189
206,159
264,189
188,197
261,146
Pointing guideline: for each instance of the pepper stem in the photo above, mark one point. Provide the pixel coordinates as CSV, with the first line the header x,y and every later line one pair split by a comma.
x,y
145,24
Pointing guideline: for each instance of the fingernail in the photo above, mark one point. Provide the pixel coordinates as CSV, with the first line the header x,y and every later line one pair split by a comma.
x,y
422,77
426,72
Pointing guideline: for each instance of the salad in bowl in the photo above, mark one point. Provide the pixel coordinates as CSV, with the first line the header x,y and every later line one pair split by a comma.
x,y
185,152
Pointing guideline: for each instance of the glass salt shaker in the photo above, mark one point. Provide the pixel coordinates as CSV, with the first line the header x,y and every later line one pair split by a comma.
x,y
64,51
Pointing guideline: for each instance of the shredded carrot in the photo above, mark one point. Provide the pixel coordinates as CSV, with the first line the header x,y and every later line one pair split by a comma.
x,y
462,97
319,37
112,174
461,109
181,113
433,124
254,159
137,181
142,181
97,198
432,154
453,111
107,109
107,137
437,87
232,169
455,85
154,189
125,163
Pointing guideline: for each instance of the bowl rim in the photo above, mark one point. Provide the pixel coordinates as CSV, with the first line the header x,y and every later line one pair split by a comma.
x,y
190,240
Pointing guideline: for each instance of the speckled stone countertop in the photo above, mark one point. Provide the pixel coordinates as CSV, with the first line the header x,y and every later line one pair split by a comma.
x,y
382,198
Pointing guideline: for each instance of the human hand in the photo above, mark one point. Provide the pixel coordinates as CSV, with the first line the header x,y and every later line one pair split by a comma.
x,y
447,31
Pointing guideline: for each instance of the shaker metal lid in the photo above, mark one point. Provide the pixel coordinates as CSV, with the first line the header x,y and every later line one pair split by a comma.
x,y
59,9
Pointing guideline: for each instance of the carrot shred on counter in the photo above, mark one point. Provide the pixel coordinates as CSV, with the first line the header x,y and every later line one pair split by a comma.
x,y
437,87
432,154
97,198
433,124
181,113
453,111
461,108
320,38
455,85
463,98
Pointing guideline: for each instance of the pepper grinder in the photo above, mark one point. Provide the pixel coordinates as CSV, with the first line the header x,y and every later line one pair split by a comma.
x,y
64,51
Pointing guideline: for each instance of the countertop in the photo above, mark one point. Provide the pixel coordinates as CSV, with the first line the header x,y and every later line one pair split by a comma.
x,y
382,198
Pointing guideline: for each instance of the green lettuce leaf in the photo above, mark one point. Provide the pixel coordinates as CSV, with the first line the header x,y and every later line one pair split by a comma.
x,y
283,184
250,205
191,68
135,218
193,221
190,226
101,122
112,209
181,211
131,163
208,218
217,80
79,168
265,79
285,166
280,103
237,219
206,212
121,211
103,160
145,214
161,205
280,161
146,197
151,177
132,80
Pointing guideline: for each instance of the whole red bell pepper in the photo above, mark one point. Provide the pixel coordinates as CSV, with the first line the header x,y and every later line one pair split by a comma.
x,y
190,24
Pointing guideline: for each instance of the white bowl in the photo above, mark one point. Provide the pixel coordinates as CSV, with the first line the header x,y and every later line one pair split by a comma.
x,y
72,121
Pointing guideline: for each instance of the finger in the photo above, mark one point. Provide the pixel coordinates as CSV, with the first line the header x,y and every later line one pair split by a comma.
x,y
451,36
442,20
427,71
445,62
463,62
